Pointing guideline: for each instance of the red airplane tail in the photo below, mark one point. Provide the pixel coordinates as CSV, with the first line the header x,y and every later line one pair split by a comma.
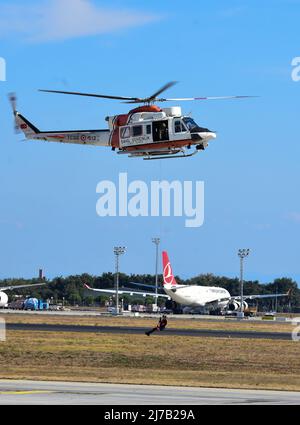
x,y
169,280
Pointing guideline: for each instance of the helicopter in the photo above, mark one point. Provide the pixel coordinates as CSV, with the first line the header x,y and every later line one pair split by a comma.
x,y
147,131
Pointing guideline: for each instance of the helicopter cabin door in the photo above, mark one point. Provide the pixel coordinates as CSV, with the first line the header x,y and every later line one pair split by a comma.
x,y
160,130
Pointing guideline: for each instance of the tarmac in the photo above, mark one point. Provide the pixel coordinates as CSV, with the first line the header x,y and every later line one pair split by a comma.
x,y
95,313
141,330
72,393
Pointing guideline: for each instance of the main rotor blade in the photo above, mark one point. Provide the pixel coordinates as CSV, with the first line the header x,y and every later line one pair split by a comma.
x,y
138,101
164,88
92,95
204,98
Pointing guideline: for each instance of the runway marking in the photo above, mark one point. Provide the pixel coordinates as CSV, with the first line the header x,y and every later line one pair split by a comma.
x,y
25,392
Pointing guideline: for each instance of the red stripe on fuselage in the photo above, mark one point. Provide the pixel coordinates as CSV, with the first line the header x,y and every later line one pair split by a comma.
x,y
159,145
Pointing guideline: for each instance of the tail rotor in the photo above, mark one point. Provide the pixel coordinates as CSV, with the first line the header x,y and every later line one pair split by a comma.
x,y
13,101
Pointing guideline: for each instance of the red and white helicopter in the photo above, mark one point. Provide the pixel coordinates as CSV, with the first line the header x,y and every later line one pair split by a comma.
x,y
147,131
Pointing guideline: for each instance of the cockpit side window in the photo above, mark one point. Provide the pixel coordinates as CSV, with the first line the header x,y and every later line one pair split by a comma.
x,y
125,132
179,127
137,130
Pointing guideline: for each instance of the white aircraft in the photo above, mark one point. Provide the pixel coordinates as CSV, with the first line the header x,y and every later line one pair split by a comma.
x,y
128,292
4,297
203,298
193,298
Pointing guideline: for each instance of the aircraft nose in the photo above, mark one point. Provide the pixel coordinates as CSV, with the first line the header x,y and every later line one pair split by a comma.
x,y
208,135
204,136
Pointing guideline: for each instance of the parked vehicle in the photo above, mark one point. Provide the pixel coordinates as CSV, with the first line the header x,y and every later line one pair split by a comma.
x,y
34,304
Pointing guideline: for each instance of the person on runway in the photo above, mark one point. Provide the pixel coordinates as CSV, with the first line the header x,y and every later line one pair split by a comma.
x,y
160,326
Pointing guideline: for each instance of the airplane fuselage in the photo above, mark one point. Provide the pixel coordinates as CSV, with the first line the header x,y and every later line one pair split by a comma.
x,y
199,296
3,299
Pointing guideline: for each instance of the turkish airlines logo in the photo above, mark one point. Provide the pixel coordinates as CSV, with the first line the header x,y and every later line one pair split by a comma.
x,y
168,275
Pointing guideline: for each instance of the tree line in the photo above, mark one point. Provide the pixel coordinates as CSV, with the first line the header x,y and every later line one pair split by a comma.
x,y
71,290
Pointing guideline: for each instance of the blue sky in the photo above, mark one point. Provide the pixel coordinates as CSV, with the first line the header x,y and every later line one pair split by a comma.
x,y
131,48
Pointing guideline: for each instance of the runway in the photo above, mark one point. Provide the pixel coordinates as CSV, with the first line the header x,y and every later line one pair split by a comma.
x,y
72,393
140,330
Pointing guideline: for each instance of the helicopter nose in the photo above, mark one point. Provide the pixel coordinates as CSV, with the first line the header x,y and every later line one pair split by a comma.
x,y
208,135
205,135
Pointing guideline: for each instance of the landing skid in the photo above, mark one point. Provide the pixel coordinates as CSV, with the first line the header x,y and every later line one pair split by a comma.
x,y
153,155
171,156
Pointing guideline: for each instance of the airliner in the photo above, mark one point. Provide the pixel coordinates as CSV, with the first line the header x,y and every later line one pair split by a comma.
x,y
4,297
141,293
203,299
192,298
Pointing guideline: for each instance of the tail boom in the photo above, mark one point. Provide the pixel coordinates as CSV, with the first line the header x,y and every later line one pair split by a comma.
x,y
82,137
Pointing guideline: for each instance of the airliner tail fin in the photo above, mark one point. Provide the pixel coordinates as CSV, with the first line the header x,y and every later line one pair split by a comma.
x,y
169,280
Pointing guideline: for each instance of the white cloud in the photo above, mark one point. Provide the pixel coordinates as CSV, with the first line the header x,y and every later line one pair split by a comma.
x,y
56,20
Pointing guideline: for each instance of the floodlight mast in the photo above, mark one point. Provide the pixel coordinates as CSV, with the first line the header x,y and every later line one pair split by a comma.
x,y
118,250
156,241
242,253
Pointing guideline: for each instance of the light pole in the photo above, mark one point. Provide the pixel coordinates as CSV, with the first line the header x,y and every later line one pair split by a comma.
x,y
242,253
118,250
156,241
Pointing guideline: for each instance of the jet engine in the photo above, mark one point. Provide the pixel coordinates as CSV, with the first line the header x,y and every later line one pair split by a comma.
x,y
3,299
236,305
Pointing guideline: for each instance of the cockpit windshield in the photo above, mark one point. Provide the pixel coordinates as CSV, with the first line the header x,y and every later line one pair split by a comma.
x,y
190,123
193,127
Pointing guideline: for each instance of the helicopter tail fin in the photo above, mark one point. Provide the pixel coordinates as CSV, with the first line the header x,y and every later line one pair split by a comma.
x,y
25,126
21,123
